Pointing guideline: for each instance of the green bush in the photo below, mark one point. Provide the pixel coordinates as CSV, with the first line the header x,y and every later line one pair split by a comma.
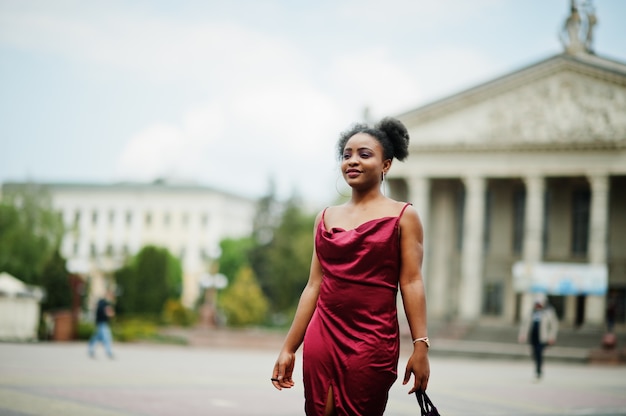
x,y
133,329
142,329
244,302
56,282
147,281
85,330
174,313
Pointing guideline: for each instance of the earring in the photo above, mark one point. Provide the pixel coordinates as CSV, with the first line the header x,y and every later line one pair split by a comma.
x,y
337,188
382,183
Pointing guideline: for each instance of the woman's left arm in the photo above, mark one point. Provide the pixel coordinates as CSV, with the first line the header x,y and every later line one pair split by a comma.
x,y
414,296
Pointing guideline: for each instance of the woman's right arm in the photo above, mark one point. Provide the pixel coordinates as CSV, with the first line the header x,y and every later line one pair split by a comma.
x,y
283,369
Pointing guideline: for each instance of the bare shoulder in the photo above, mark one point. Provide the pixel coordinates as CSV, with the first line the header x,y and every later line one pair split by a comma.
x,y
410,213
410,221
319,217
332,213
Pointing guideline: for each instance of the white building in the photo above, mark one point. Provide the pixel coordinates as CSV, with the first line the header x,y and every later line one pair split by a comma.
x,y
526,169
19,309
106,223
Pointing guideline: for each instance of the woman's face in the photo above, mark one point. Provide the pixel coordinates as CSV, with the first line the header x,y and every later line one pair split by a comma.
x,y
362,162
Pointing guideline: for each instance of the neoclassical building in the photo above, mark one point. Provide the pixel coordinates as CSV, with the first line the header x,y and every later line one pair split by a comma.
x,y
521,186
107,222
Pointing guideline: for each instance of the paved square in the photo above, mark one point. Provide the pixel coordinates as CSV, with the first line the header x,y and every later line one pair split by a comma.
x,y
153,380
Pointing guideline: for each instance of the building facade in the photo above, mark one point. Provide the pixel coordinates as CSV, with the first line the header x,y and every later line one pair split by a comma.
x,y
523,174
107,223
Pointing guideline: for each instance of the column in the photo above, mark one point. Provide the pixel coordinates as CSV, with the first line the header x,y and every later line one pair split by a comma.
x,y
598,236
533,229
419,195
472,256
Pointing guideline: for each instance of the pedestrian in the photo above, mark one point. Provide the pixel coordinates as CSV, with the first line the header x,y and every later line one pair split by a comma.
x,y
540,330
104,313
346,318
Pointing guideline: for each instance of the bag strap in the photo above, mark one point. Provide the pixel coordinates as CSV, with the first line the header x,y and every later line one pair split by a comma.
x,y
426,405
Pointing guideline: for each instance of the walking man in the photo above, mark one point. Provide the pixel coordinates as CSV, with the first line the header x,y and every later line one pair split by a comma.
x,y
104,313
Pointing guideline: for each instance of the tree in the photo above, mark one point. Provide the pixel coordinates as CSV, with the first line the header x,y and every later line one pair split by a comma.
x,y
266,219
30,231
234,255
289,257
56,282
126,281
278,251
152,277
282,262
243,302
267,216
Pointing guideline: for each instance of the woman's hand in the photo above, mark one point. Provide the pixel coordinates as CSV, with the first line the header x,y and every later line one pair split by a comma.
x,y
283,370
419,366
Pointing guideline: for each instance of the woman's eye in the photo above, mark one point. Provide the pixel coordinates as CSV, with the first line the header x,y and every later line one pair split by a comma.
x,y
346,156
364,155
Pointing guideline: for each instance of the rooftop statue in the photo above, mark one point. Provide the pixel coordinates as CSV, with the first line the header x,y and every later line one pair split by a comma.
x,y
577,33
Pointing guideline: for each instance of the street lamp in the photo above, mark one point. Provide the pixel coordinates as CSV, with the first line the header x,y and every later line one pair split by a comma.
x,y
211,283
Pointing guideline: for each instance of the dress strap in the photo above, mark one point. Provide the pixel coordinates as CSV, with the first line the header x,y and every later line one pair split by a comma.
x,y
323,221
403,208
401,212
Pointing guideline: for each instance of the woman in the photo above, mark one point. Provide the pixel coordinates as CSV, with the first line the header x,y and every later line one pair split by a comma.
x,y
540,329
364,250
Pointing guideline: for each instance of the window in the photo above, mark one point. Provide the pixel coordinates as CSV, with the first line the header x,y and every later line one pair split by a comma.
x,y
545,233
459,213
204,220
77,218
492,299
185,220
129,218
580,221
166,219
519,211
92,250
558,303
148,219
94,217
616,302
111,217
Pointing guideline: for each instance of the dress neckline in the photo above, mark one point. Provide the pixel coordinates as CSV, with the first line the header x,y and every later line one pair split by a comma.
x,y
339,229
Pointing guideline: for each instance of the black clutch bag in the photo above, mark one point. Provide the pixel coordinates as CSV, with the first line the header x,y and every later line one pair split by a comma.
x,y
426,406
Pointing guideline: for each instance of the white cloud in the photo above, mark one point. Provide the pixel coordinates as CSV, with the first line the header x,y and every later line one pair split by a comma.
x,y
447,70
375,79
152,47
238,142
150,151
171,150
279,80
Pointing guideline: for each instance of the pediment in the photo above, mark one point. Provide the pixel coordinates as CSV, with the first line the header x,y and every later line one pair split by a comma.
x,y
560,102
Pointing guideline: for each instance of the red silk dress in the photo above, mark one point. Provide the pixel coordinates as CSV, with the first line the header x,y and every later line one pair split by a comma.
x,y
352,343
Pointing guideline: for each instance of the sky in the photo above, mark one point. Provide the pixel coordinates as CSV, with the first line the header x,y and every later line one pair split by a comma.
x,y
235,94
